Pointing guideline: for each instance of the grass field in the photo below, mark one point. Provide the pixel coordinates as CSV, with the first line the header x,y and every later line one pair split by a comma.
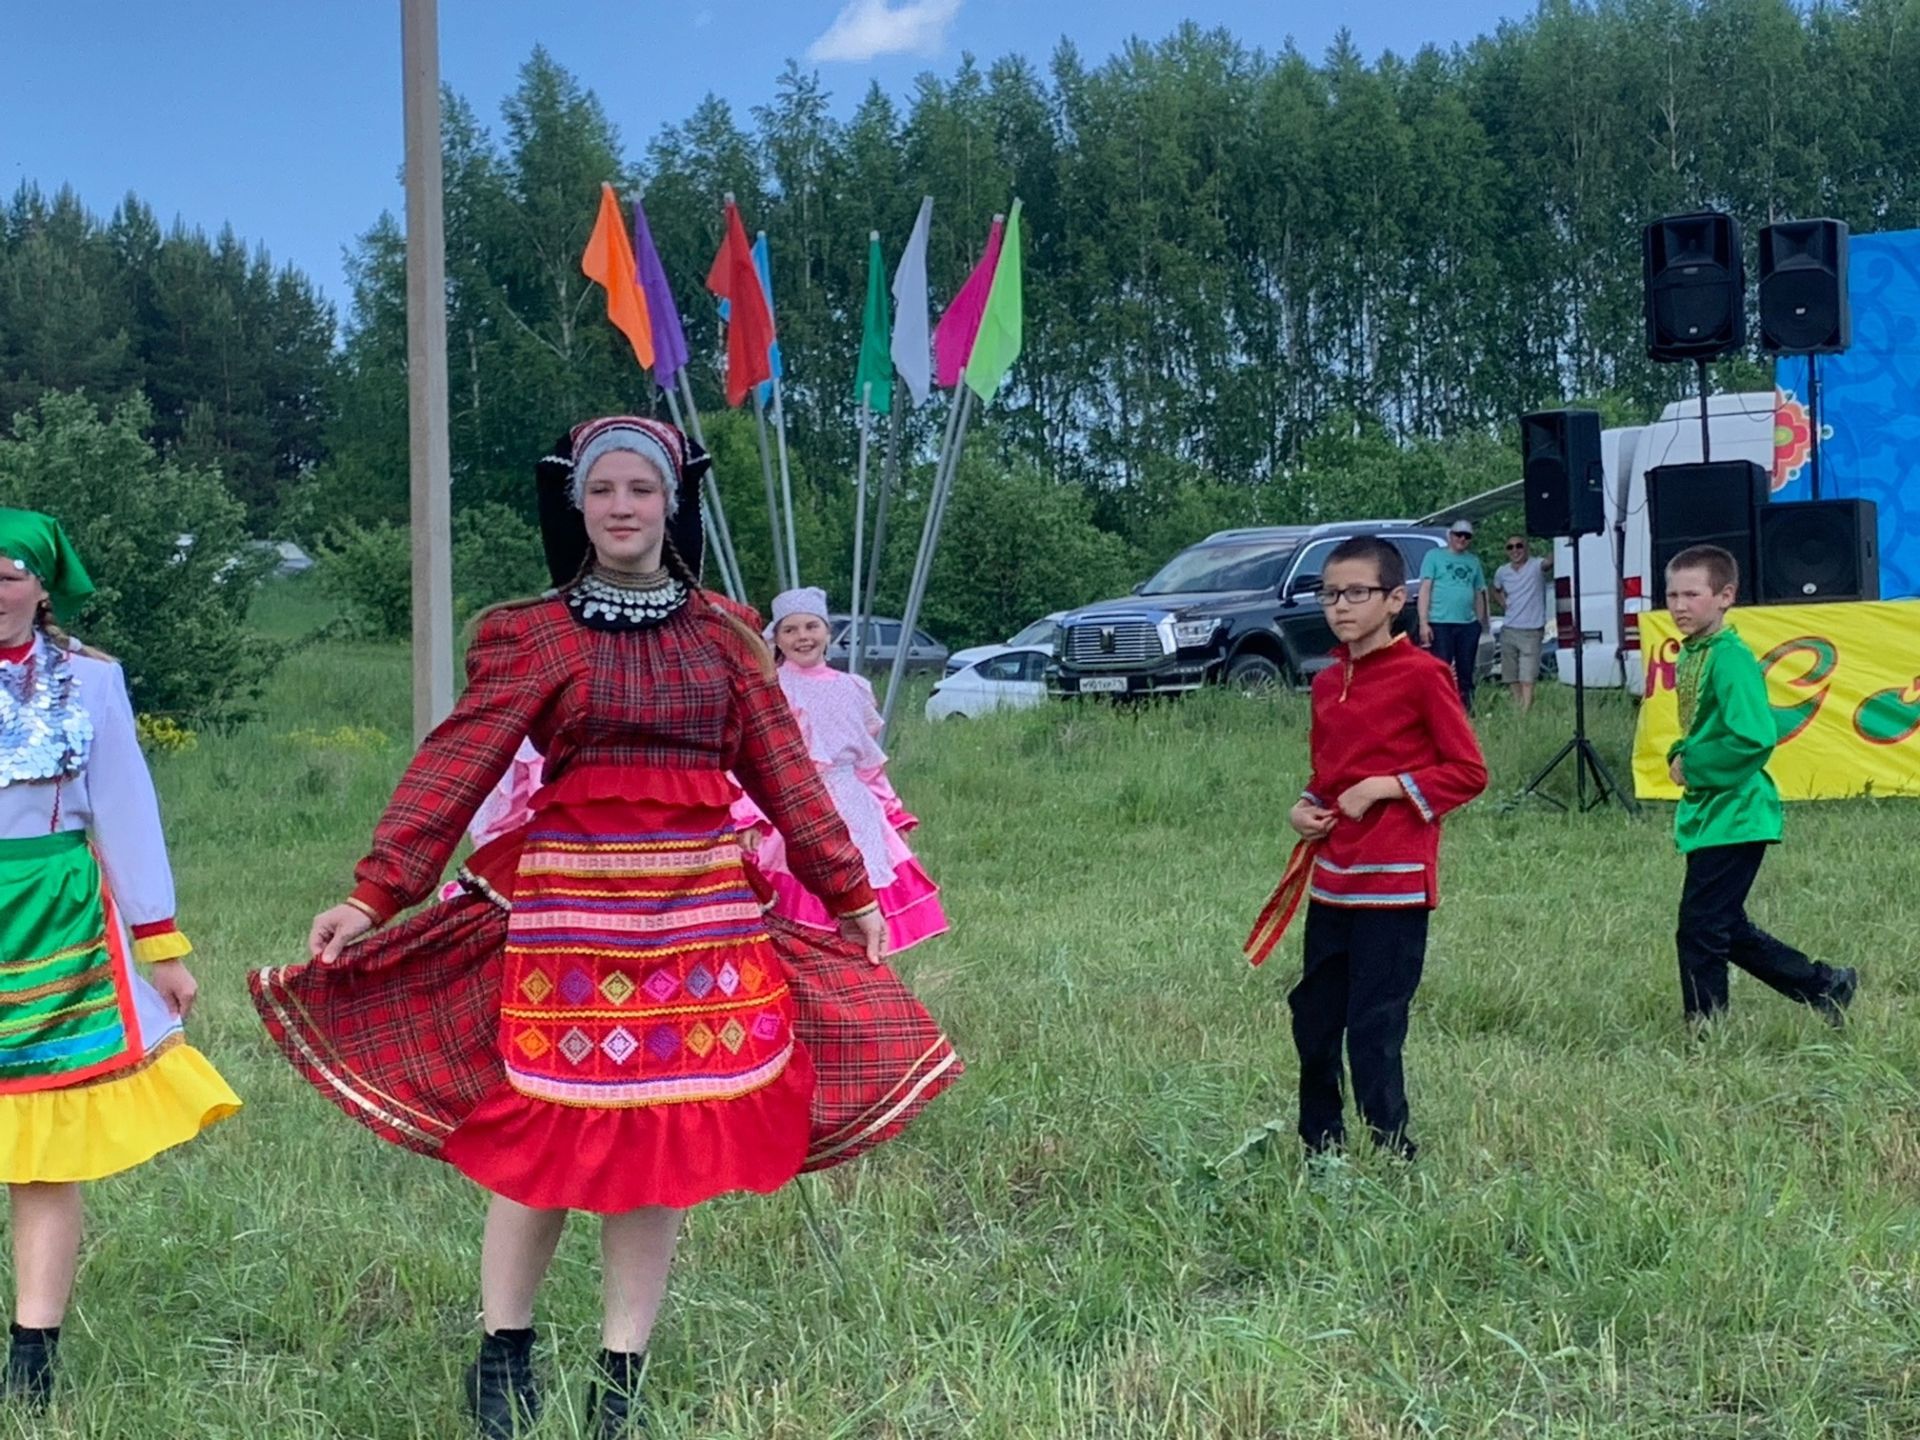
x,y
1611,1231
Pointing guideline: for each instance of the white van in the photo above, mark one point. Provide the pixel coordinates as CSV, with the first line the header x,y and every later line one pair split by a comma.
x,y
1614,584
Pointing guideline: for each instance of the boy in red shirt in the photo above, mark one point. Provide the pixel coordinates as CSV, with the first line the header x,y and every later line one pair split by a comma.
x,y
1392,752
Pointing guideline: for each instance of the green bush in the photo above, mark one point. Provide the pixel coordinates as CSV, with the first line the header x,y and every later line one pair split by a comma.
x,y
172,609
367,570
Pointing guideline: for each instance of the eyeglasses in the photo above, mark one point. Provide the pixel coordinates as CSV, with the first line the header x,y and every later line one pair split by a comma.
x,y
1353,595
1516,545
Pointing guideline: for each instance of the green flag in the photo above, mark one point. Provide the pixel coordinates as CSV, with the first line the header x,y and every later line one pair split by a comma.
x,y
998,344
876,339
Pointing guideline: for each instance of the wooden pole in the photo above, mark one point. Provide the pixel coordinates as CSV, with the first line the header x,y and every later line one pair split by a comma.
x,y
430,465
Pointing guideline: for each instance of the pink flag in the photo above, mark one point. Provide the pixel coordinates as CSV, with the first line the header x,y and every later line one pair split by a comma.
x,y
953,337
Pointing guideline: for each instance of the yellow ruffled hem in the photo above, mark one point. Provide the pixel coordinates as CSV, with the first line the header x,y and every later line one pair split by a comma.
x,y
171,945
87,1132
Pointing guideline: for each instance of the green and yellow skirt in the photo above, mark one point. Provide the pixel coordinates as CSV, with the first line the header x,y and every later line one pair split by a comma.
x,y
95,1072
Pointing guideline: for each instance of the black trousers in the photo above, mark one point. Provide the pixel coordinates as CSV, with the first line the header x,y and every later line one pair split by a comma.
x,y
1714,929
1362,967
1459,646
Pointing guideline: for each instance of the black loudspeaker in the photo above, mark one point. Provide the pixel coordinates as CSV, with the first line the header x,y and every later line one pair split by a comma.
x,y
1813,550
1803,288
1712,504
1696,282
1561,473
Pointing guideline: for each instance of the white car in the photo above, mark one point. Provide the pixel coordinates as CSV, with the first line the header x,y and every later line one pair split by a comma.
x,y
1040,635
1006,680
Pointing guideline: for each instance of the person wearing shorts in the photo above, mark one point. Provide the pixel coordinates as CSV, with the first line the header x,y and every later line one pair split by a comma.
x,y
1521,584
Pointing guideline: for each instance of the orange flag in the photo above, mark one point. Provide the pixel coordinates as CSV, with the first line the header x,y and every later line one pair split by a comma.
x,y
609,262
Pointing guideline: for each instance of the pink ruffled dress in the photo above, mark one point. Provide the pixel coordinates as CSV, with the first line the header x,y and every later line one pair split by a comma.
x,y
508,807
841,724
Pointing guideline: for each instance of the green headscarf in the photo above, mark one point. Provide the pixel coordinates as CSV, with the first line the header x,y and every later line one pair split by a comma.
x,y
37,542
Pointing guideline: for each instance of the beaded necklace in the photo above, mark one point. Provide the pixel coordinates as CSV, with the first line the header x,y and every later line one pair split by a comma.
x,y
604,599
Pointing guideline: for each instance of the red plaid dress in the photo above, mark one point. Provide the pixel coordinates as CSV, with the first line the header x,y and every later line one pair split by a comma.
x,y
604,1020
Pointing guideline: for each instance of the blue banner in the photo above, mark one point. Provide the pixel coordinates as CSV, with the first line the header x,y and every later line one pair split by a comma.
x,y
1869,407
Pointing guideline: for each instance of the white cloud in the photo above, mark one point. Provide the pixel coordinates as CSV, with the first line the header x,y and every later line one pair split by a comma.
x,y
868,29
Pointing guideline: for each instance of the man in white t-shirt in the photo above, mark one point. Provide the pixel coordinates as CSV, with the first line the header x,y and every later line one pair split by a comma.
x,y
1521,584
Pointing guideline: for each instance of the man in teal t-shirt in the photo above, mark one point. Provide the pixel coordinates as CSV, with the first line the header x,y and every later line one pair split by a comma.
x,y
1453,606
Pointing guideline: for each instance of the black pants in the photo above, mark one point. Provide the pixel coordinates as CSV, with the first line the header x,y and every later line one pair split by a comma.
x,y
1459,646
1362,967
1714,929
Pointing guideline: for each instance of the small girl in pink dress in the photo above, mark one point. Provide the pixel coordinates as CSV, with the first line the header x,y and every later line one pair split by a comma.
x,y
841,725
507,808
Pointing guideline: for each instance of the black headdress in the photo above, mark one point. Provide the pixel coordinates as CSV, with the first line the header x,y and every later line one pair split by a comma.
x,y
563,530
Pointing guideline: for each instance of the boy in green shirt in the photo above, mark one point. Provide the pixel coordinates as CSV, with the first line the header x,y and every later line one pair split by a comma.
x,y
1730,812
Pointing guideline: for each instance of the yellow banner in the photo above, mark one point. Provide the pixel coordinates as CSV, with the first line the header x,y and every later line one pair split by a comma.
x,y
1845,685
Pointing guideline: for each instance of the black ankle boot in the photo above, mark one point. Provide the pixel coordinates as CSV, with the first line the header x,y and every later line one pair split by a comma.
x,y
29,1376
500,1386
615,1402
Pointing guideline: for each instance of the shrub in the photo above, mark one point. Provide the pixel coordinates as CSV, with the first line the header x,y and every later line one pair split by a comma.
x,y
368,569
166,546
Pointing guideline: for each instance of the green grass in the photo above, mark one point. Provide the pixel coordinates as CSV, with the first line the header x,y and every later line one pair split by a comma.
x,y
1610,1232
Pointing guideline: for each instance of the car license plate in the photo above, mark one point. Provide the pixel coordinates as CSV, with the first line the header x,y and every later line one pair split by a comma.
x,y
1104,685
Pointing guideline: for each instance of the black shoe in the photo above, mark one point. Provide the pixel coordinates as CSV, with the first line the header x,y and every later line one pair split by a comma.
x,y
615,1400
29,1374
501,1391
1833,1002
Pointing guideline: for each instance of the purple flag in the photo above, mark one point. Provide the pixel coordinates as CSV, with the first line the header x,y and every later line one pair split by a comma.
x,y
669,340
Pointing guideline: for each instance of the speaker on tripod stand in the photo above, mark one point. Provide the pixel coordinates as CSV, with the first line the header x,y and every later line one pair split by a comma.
x,y
1564,480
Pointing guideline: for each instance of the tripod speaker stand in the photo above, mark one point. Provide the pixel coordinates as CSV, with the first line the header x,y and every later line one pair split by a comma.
x,y
1586,760
1563,476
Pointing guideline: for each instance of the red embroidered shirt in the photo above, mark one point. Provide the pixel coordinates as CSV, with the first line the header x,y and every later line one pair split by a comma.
x,y
1395,712
686,696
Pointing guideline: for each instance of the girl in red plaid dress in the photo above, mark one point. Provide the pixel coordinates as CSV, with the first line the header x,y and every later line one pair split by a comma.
x,y
604,1019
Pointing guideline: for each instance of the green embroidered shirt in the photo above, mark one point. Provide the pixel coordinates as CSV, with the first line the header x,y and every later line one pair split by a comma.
x,y
1728,735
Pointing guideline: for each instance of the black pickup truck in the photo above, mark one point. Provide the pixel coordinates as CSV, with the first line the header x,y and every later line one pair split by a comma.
x,y
1241,607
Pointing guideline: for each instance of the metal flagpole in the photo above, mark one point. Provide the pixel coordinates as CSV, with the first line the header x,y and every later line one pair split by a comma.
x,y
779,418
859,528
773,496
889,482
715,513
429,453
786,481
929,540
732,555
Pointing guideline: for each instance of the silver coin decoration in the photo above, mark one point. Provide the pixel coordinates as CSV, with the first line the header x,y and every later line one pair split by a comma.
x,y
606,604
45,734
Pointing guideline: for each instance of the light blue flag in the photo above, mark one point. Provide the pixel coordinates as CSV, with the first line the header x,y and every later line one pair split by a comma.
x,y
763,392
765,267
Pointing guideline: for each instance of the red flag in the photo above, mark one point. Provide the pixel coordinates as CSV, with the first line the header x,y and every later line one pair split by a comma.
x,y
735,279
609,262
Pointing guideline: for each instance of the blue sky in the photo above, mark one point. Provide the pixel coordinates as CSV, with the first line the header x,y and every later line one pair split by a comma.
x,y
284,118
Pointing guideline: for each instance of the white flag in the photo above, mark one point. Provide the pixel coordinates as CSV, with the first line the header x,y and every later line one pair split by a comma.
x,y
912,346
